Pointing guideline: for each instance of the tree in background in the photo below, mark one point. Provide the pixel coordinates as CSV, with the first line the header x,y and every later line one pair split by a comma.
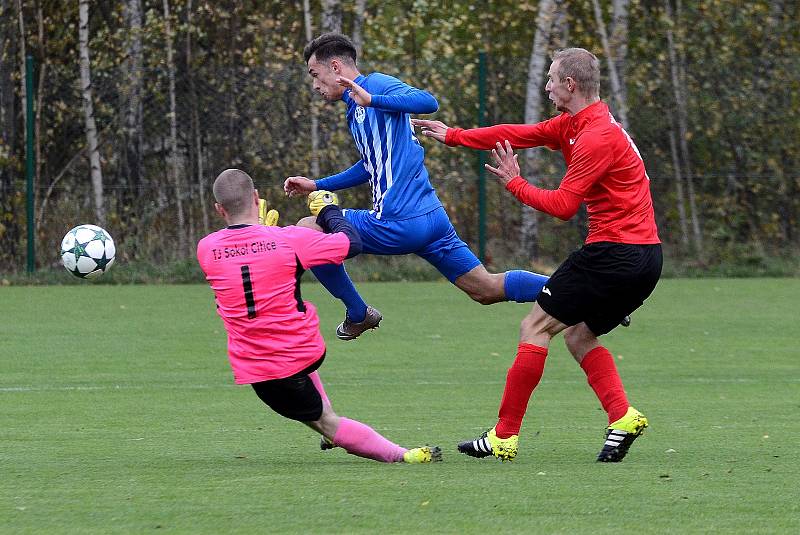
x,y
614,62
537,65
132,96
88,113
174,156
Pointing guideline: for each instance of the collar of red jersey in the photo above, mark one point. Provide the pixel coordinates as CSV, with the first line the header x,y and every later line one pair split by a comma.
x,y
580,119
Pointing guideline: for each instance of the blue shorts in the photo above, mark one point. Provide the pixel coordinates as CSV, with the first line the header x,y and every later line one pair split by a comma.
x,y
430,236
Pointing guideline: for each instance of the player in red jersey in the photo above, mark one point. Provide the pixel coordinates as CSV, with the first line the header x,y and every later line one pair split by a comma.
x,y
598,285
274,342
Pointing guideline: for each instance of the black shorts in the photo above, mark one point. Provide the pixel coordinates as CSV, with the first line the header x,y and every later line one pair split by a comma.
x,y
601,283
293,397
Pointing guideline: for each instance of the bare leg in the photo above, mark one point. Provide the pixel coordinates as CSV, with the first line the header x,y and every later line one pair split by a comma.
x,y
484,287
487,288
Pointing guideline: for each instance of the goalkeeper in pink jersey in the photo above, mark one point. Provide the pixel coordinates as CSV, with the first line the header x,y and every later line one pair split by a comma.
x,y
274,341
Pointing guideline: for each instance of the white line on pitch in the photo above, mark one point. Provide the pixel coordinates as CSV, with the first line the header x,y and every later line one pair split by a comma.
x,y
90,388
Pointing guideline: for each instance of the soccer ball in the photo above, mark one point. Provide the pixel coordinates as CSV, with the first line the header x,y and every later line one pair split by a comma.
x,y
87,251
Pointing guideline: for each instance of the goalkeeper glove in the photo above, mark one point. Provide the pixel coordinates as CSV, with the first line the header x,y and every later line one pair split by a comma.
x,y
268,218
317,200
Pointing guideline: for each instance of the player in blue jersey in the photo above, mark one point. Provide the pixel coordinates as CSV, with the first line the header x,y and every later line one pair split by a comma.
x,y
406,215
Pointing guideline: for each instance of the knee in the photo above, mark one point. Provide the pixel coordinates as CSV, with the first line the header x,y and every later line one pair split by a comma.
x,y
579,341
572,340
327,424
309,222
539,328
486,289
531,326
482,296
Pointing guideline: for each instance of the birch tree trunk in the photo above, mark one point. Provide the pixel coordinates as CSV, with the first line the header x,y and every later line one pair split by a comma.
x,y
683,117
679,194
529,228
7,102
37,132
359,14
88,112
619,43
331,16
196,133
133,105
314,104
559,35
617,97
22,53
173,134
678,78
8,134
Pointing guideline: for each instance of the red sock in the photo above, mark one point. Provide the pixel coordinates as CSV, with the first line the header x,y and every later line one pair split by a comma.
x,y
523,376
601,372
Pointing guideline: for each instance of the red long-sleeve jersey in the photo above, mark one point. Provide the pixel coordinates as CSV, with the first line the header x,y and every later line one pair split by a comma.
x,y
604,170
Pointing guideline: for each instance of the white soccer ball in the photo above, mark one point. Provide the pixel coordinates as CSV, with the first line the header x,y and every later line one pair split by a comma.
x,y
87,251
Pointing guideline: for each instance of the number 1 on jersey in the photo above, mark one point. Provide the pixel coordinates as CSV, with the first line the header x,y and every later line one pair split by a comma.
x,y
249,299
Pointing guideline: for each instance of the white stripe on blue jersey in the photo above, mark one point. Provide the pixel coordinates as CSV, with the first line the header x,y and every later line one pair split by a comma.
x,y
389,176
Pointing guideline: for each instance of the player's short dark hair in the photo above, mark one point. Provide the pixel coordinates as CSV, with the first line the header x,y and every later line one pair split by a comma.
x,y
330,45
233,189
582,66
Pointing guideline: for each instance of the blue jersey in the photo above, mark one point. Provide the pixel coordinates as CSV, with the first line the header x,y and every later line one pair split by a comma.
x,y
392,159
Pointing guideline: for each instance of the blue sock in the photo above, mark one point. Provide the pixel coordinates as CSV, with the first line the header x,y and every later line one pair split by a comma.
x,y
335,279
523,286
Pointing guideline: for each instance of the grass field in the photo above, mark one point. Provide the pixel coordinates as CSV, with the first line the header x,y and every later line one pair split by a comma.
x,y
118,414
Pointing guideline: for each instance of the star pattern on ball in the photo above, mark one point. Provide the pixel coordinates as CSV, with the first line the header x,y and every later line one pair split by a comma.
x,y
102,262
87,251
79,249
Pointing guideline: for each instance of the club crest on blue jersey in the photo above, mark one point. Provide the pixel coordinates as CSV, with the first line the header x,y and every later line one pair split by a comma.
x,y
360,114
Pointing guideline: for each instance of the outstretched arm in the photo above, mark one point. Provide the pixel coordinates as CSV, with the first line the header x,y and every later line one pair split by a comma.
x,y
394,96
353,176
560,203
521,136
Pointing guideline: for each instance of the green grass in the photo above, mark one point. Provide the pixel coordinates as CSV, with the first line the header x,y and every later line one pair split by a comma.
x,y
409,268
118,415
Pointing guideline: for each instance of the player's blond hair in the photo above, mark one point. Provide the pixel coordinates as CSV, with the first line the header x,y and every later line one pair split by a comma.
x,y
582,66
233,189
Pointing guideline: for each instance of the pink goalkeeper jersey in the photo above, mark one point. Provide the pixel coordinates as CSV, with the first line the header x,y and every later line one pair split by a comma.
x,y
255,274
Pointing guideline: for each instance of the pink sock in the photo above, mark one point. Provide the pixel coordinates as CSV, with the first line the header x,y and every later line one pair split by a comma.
x,y
318,384
360,439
